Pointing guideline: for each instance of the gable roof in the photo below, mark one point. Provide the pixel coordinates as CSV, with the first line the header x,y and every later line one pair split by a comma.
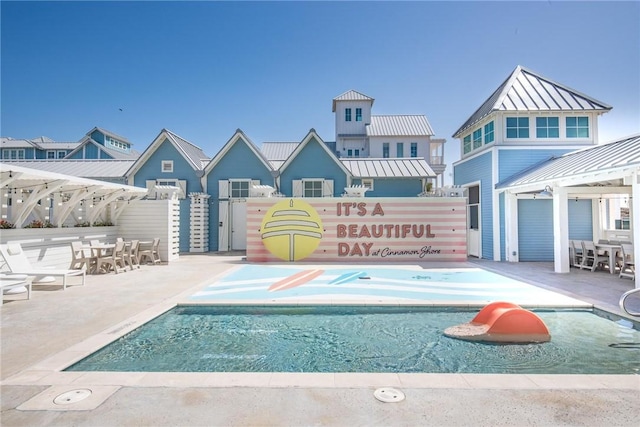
x,y
525,90
581,166
413,167
238,136
351,95
8,142
190,152
399,125
312,135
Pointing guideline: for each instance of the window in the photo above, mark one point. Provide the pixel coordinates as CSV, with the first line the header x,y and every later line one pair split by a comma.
x,y
466,144
368,182
385,150
312,188
358,114
167,166
477,138
117,144
347,114
400,149
240,189
167,182
517,127
547,127
353,152
414,149
13,153
488,133
61,154
51,154
577,127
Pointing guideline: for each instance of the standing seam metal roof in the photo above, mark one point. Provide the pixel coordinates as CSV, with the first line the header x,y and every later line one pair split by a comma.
x,y
351,95
192,153
611,156
399,125
413,167
81,168
525,90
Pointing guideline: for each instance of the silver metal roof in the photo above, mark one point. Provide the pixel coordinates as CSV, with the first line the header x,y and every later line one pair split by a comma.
x,y
278,150
351,95
399,125
191,152
525,90
51,145
82,168
601,160
8,142
414,167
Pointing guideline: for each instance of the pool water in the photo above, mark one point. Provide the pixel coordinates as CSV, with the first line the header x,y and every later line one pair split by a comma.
x,y
361,339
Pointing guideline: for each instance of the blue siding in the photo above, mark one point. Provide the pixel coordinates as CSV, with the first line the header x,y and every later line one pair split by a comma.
x,y
182,170
511,162
77,155
97,136
479,169
240,162
313,162
535,230
581,220
40,154
105,155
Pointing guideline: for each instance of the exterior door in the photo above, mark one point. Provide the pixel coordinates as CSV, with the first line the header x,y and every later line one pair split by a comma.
x,y
474,234
238,225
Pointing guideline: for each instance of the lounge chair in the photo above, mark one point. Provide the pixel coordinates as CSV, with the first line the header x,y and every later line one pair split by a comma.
x,y
15,281
18,263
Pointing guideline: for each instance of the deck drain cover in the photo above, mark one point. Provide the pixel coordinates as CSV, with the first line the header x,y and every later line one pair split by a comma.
x,y
388,395
72,396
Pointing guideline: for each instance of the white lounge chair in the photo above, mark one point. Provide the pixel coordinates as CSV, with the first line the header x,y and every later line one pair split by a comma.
x,y
15,282
18,263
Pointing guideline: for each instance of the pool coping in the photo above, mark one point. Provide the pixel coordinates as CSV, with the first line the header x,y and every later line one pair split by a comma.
x,y
50,371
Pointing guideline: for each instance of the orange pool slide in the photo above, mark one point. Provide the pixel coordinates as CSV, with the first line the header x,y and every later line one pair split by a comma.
x,y
502,322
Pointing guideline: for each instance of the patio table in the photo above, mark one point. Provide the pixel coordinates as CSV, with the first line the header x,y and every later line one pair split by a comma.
x,y
612,249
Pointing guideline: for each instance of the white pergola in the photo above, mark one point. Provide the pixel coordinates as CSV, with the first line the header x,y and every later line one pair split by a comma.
x,y
594,173
47,196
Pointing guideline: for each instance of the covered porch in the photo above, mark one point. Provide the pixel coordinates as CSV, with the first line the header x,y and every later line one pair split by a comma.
x,y
607,176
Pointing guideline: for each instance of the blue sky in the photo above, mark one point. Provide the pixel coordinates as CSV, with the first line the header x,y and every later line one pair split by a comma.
x,y
205,69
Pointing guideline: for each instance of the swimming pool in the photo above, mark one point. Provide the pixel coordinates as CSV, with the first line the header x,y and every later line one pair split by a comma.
x,y
360,339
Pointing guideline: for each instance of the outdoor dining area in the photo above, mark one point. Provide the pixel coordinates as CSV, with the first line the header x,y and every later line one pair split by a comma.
x,y
613,256
98,257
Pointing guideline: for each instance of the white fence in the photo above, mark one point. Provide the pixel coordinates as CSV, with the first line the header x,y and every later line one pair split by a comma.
x,y
142,220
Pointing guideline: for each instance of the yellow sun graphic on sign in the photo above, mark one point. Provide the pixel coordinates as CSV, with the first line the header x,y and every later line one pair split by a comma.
x,y
291,230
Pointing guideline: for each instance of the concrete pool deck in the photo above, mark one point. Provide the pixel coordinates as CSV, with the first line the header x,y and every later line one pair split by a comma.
x,y
42,335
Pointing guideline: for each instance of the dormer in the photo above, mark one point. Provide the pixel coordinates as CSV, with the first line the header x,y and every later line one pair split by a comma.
x,y
529,110
110,140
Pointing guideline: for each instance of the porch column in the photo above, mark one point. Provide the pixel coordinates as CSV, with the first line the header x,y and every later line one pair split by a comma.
x,y
560,230
635,219
511,227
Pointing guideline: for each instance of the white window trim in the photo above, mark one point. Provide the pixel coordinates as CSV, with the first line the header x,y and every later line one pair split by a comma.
x,y
168,163
367,182
231,181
